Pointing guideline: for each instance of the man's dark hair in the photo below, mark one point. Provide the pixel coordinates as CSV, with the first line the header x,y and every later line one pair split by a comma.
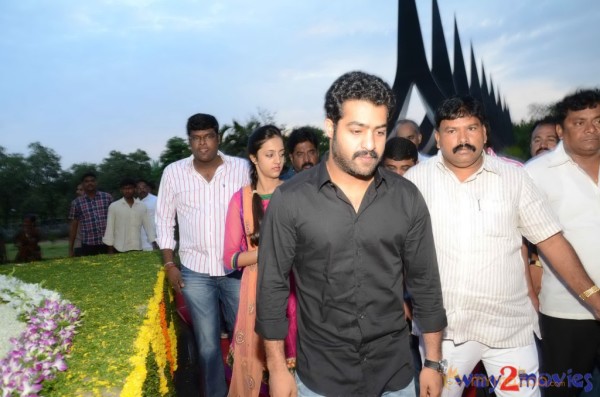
x,y
399,149
202,121
147,182
87,174
460,106
302,134
550,120
127,182
359,86
580,100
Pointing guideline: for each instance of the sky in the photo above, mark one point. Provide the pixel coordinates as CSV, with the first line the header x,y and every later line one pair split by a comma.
x,y
87,77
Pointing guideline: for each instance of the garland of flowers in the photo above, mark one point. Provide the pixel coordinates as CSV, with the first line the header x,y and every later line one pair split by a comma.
x,y
158,337
41,349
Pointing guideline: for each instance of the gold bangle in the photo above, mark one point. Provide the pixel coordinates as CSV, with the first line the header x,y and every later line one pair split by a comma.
x,y
589,292
537,263
169,265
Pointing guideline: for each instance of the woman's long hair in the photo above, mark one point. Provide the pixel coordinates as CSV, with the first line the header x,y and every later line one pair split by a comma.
x,y
258,137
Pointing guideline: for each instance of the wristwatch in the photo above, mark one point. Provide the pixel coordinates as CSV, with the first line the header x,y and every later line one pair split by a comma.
x,y
439,366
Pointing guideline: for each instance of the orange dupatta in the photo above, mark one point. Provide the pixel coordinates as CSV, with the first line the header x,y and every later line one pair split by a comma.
x,y
248,349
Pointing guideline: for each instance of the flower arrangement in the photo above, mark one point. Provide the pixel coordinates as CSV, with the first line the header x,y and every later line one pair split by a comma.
x,y
41,349
157,335
129,319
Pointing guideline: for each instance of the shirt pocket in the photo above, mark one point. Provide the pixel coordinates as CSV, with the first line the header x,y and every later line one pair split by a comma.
x,y
497,218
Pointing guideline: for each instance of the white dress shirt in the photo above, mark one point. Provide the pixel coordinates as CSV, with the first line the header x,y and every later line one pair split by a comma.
x,y
478,226
576,200
123,225
150,202
201,209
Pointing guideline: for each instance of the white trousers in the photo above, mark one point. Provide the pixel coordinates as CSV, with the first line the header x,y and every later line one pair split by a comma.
x,y
511,372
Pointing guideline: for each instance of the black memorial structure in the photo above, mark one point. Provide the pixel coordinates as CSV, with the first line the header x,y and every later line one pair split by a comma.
x,y
442,81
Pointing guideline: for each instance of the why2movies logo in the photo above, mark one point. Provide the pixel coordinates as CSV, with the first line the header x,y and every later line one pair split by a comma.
x,y
511,379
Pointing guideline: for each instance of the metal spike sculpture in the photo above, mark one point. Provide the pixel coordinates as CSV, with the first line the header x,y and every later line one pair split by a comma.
x,y
441,82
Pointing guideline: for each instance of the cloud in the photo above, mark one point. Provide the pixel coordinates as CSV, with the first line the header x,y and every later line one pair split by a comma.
x,y
521,93
331,29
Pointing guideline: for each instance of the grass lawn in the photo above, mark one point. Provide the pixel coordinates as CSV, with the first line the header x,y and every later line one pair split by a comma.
x,y
113,292
50,249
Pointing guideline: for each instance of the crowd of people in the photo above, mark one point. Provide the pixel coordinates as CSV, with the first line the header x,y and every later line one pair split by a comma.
x,y
379,270
100,225
319,277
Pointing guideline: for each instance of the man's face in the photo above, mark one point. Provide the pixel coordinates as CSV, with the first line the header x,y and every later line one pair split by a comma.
x,y
204,145
304,156
543,139
142,190
358,139
398,166
128,191
79,191
408,131
580,132
89,184
461,142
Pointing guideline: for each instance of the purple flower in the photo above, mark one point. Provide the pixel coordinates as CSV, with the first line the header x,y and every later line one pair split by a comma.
x,y
37,353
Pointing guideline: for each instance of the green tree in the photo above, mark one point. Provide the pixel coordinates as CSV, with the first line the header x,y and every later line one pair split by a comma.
x,y
155,173
118,166
44,173
234,137
13,185
177,149
77,171
521,132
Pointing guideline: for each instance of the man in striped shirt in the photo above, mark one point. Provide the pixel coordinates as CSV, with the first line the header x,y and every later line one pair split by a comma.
x,y
197,190
480,208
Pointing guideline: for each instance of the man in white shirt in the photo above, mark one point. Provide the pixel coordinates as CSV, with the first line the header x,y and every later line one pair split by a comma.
x,y
144,193
480,208
198,189
126,217
406,128
568,176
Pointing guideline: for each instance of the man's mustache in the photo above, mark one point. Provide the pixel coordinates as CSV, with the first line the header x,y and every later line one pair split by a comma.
x,y
542,149
308,164
370,153
464,146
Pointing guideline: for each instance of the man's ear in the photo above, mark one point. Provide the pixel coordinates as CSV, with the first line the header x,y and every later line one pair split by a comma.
x,y
559,131
329,127
485,136
436,135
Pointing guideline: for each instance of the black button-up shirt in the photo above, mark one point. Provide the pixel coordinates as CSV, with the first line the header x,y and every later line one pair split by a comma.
x,y
349,268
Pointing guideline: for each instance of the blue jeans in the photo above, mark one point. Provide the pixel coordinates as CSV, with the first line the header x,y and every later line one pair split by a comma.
x,y
408,391
202,295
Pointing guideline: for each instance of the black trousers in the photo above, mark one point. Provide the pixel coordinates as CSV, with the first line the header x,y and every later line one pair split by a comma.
x,y
569,348
87,250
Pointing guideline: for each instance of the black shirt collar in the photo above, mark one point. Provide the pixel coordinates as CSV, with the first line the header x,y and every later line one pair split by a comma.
x,y
324,178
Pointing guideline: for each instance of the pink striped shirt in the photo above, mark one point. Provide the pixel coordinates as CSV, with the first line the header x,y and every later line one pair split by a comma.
x,y
201,209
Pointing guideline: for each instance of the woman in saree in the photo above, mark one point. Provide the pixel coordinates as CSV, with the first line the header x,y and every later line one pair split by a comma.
x,y
242,230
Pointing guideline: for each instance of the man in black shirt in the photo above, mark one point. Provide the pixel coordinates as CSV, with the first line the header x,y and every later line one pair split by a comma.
x,y
352,234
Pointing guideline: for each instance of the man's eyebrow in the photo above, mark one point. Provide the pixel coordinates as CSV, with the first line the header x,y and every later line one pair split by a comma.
x,y
362,125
